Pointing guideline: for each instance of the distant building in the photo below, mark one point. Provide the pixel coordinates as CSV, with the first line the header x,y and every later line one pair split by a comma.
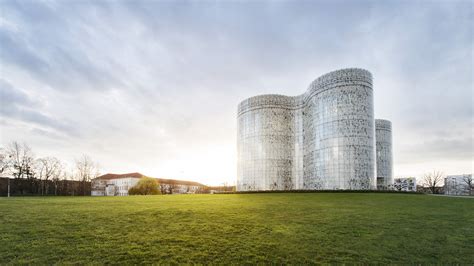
x,y
457,185
113,184
173,186
384,154
119,184
219,189
404,184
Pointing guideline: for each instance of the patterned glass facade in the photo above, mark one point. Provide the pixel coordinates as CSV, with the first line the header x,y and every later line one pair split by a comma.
x,y
322,139
384,153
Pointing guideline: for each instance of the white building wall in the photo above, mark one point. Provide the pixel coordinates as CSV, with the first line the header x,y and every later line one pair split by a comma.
x,y
98,187
120,186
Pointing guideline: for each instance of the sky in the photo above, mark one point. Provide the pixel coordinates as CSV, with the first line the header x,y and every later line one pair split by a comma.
x,y
153,86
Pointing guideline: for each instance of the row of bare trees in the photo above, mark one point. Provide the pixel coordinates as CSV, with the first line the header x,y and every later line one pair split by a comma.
x,y
435,180
45,175
469,183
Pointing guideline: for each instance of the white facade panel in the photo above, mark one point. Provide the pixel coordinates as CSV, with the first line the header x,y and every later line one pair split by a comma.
x,y
384,153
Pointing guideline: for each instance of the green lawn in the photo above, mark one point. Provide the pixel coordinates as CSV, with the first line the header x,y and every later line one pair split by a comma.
x,y
247,228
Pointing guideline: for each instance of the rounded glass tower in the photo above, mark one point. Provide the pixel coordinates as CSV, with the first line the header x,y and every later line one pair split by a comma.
x,y
322,139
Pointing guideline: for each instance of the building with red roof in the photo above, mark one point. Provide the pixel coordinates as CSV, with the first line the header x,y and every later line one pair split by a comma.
x,y
119,184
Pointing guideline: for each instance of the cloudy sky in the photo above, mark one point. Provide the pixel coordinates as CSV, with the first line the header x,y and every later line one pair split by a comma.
x,y
153,86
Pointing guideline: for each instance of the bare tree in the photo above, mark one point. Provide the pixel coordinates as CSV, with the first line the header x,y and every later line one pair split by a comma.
x,y
4,160
433,180
469,183
49,168
86,171
21,166
22,160
65,187
56,180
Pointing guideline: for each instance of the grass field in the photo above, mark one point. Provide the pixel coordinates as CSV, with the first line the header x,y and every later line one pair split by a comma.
x,y
251,228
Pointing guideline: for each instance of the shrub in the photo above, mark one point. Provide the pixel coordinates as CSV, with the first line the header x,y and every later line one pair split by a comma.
x,y
146,186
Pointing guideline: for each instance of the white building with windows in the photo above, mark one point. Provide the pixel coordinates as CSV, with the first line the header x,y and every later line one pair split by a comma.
x,y
114,185
119,184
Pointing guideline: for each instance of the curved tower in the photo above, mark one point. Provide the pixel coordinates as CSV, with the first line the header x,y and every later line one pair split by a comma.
x,y
339,131
265,142
384,153
322,139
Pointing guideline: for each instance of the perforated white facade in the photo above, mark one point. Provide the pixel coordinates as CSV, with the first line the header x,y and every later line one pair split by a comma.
x,y
322,139
384,153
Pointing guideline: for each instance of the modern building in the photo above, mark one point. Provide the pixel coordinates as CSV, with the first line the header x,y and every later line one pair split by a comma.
x,y
322,139
383,153
119,184
458,185
404,184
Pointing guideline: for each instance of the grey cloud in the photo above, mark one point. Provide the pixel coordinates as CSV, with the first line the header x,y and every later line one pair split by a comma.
x,y
13,50
15,104
46,133
439,149
125,69
9,96
47,47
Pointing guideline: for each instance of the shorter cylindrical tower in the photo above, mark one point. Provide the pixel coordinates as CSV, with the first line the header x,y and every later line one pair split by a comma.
x,y
265,145
384,153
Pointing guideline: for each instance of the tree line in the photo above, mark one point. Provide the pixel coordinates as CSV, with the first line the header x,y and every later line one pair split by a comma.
x,y
22,173
434,183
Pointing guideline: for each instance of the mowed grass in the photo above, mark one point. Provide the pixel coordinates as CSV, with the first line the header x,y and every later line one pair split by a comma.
x,y
244,228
